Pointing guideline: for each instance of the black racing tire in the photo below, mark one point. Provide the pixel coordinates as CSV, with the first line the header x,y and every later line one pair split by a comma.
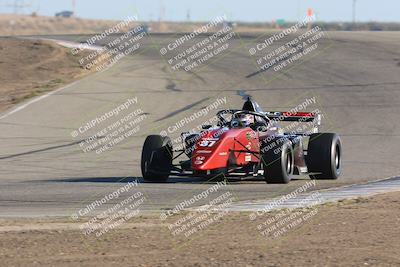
x,y
278,161
324,155
156,161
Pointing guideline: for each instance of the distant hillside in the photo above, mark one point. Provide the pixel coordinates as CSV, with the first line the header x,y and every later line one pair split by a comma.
x,y
30,25
36,25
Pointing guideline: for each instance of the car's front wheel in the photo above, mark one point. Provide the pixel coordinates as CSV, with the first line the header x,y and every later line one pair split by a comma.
x,y
278,161
324,156
156,161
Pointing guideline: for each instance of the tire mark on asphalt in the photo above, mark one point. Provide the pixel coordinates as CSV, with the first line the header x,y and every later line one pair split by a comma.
x,y
39,150
172,86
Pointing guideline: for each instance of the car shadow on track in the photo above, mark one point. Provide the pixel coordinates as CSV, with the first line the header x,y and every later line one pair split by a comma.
x,y
171,180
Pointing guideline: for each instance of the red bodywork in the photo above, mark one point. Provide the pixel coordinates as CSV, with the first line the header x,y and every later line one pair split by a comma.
x,y
224,147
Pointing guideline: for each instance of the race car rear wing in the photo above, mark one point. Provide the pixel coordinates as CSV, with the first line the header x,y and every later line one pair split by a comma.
x,y
314,117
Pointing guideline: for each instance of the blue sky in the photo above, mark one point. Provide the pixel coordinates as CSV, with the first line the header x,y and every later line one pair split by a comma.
x,y
203,10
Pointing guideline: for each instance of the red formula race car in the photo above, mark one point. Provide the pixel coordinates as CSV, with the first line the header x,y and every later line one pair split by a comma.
x,y
247,142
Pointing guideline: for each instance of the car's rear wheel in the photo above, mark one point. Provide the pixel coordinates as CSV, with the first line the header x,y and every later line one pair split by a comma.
x,y
278,161
324,156
156,162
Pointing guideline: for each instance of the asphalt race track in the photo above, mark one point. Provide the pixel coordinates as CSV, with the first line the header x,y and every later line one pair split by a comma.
x,y
355,78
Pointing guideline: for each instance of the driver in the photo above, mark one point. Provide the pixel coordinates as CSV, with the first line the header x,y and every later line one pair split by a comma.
x,y
243,120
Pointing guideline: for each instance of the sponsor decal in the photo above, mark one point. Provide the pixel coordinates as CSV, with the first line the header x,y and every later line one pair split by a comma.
x,y
248,136
203,151
208,142
248,146
251,135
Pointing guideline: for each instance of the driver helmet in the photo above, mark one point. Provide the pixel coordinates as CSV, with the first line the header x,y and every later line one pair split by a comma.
x,y
244,120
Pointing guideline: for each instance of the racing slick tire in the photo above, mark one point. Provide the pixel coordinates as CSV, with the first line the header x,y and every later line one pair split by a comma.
x,y
156,162
278,161
324,156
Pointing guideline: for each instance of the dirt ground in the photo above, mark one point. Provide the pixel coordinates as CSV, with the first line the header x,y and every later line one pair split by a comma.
x,y
360,232
29,68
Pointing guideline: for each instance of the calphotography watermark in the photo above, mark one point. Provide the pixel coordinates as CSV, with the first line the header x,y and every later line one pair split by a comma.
x,y
193,50
300,121
118,28
289,219
214,208
111,128
280,215
199,116
112,210
113,47
287,47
